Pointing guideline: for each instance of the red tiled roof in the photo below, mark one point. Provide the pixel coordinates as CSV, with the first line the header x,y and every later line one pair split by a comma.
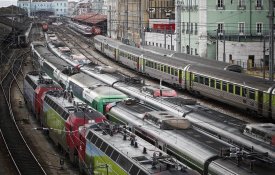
x,y
92,18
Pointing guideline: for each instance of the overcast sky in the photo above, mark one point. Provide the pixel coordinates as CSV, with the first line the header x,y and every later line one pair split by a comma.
x,y
5,3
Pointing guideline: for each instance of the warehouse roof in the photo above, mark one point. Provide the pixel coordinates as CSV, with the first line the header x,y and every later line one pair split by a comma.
x,y
92,18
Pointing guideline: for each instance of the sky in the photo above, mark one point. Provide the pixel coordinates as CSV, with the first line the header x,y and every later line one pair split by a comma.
x,y
5,3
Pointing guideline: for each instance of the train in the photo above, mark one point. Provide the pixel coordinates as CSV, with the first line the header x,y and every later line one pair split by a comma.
x,y
255,95
264,132
35,84
23,39
209,120
173,134
63,116
59,49
45,27
194,59
84,29
194,115
88,89
111,149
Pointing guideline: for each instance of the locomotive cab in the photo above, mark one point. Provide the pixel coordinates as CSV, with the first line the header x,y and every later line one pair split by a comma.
x,y
264,132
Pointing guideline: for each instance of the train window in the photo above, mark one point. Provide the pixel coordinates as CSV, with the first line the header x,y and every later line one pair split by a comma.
x,y
244,92
206,81
89,135
168,69
98,143
212,83
196,78
201,80
103,147
165,68
172,71
93,139
252,94
147,63
124,163
158,67
176,72
134,169
155,65
109,151
237,90
230,88
224,86
161,68
115,155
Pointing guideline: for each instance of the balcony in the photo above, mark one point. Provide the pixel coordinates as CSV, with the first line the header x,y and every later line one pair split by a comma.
x,y
259,7
220,7
241,7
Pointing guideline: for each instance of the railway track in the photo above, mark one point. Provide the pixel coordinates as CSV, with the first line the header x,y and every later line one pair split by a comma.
x,y
67,37
21,155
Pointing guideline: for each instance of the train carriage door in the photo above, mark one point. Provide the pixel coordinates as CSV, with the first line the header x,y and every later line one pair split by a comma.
x,y
141,64
102,47
116,54
260,102
180,77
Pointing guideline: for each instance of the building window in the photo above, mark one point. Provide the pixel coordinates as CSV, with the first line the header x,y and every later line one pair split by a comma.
x,y
220,4
191,28
172,47
220,29
183,27
259,3
259,28
160,45
169,47
196,51
241,5
187,27
157,44
241,28
191,51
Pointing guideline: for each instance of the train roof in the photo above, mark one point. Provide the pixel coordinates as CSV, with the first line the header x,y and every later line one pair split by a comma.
x,y
135,106
134,50
193,59
131,157
109,41
236,78
268,128
72,105
39,77
50,57
190,142
95,85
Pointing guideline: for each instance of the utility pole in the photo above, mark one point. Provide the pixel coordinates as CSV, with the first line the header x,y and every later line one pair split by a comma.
x,y
178,25
217,45
126,11
224,46
171,36
264,59
165,37
271,40
189,30
110,23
